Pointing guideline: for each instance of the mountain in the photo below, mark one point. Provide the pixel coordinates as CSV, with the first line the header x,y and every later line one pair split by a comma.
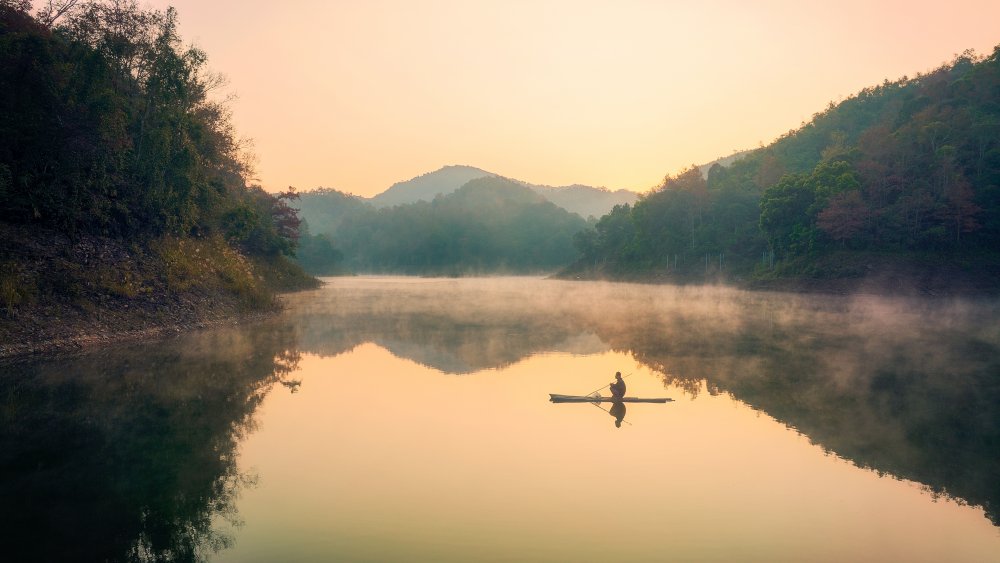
x,y
341,230
427,186
323,209
583,200
489,225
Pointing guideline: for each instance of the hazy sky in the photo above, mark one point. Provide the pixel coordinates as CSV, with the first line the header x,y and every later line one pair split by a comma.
x,y
357,95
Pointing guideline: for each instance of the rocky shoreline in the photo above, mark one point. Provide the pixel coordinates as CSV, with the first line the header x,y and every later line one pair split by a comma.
x,y
86,341
70,332
64,295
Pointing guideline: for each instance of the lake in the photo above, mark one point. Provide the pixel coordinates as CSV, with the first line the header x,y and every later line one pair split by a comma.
x,y
408,419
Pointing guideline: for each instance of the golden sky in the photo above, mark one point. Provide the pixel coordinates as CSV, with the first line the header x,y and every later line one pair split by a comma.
x,y
357,95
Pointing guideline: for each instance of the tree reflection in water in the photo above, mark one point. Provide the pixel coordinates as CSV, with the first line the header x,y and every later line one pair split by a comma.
x,y
129,455
902,386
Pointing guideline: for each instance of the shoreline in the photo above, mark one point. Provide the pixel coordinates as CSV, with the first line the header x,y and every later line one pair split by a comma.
x,y
814,286
840,274
86,341
62,295
66,330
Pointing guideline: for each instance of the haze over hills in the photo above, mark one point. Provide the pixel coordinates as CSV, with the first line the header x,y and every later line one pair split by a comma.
x,y
343,230
724,162
577,198
426,186
585,201
490,224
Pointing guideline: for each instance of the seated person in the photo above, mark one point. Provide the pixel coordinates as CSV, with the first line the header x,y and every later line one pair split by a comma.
x,y
618,387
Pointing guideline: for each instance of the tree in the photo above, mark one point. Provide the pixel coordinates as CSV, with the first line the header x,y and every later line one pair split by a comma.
x,y
959,209
845,217
785,214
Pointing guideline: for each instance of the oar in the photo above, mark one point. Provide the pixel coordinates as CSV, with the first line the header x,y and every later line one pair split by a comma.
x,y
608,385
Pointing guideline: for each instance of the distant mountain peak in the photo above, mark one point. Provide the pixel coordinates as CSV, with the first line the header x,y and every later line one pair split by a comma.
x,y
576,198
427,186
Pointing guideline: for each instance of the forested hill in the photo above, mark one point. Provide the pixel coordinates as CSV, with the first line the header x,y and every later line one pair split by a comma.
x,y
583,200
428,186
901,180
489,225
123,193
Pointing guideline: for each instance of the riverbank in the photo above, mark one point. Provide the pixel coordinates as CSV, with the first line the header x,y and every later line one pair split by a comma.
x,y
60,294
72,337
842,273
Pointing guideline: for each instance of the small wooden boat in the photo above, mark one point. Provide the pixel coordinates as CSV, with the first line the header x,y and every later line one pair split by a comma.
x,y
599,399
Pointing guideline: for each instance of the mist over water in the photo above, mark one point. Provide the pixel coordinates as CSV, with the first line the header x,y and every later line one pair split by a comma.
x,y
385,418
900,385
491,322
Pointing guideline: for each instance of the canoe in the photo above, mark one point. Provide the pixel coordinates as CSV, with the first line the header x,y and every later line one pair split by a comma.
x,y
584,399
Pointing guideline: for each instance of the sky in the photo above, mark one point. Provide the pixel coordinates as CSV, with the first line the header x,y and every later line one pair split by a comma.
x,y
358,95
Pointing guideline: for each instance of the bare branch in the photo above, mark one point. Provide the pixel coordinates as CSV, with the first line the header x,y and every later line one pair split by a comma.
x,y
54,10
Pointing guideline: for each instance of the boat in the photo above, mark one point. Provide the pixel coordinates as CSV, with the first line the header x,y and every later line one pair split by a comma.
x,y
555,398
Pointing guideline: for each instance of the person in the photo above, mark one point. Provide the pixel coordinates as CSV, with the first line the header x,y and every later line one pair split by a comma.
x,y
618,386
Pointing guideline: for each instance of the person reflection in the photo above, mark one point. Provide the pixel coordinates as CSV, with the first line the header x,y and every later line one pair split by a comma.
x,y
618,411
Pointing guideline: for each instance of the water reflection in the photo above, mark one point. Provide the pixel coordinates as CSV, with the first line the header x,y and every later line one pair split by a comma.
x,y
902,386
450,325
129,455
617,410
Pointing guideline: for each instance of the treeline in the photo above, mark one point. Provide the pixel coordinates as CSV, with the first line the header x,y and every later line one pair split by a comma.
x,y
108,128
489,225
910,167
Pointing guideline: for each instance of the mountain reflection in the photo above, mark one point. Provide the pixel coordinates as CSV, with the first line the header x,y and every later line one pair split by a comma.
x,y
901,386
444,324
129,455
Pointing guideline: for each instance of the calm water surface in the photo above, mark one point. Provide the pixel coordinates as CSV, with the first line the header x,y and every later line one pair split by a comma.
x,y
402,419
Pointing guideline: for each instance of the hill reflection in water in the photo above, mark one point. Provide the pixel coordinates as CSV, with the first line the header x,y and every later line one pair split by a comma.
x,y
901,386
129,454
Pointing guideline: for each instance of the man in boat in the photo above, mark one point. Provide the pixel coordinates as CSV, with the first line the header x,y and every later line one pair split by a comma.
x,y
617,387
